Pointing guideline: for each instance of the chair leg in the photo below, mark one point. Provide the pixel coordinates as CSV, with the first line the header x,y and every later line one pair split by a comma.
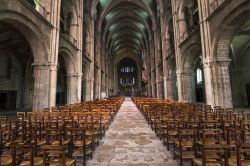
x,y
192,163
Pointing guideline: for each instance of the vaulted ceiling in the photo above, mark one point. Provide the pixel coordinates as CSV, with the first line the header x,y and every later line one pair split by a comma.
x,y
126,25
240,43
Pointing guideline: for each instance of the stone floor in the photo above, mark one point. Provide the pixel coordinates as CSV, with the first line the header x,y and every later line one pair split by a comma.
x,y
131,142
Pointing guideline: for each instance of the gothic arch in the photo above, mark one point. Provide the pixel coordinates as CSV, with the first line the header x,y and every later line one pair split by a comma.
x,y
36,38
190,56
68,59
229,26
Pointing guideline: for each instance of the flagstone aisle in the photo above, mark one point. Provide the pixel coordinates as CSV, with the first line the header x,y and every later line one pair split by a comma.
x,y
130,142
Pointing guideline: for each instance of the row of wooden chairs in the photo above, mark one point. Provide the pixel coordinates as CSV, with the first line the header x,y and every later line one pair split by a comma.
x,y
56,136
199,133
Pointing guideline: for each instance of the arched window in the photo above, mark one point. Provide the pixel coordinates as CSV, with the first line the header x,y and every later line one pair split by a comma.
x,y
199,84
199,78
127,70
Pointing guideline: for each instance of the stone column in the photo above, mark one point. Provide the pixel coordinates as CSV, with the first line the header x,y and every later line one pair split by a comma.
x,y
182,26
208,64
165,87
102,89
79,36
89,89
164,77
185,86
157,65
153,82
179,29
74,31
159,84
169,85
166,62
107,85
149,85
53,85
45,74
217,83
79,87
179,86
153,69
71,89
208,78
90,94
99,83
44,86
115,78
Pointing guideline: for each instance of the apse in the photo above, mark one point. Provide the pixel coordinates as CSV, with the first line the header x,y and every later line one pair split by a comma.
x,y
127,78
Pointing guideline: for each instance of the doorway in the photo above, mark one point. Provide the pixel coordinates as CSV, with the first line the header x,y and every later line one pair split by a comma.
x,y
248,93
8,100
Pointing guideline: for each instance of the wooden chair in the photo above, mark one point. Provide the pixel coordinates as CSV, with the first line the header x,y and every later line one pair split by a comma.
x,y
90,131
242,159
23,155
3,119
208,137
170,132
82,145
55,137
213,155
20,115
185,145
6,160
55,156
243,150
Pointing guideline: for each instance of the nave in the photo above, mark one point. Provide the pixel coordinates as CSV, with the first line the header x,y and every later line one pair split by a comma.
x,y
130,141
114,132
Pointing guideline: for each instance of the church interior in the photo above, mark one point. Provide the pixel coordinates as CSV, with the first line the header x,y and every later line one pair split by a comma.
x,y
124,82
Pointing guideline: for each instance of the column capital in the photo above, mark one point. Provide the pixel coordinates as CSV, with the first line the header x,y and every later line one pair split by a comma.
x,y
76,75
181,20
45,66
208,62
180,74
212,62
224,62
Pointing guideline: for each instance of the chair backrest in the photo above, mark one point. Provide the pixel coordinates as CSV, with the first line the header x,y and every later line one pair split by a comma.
x,y
22,152
211,136
215,154
187,135
54,134
245,135
242,150
3,119
58,153
233,135
20,115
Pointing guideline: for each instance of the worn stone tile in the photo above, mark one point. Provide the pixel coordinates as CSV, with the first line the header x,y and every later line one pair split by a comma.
x,y
131,142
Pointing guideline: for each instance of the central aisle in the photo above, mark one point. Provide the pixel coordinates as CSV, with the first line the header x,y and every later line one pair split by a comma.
x,y
130,141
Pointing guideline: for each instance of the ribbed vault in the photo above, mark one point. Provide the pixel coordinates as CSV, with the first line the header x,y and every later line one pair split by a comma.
x,y
125,26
